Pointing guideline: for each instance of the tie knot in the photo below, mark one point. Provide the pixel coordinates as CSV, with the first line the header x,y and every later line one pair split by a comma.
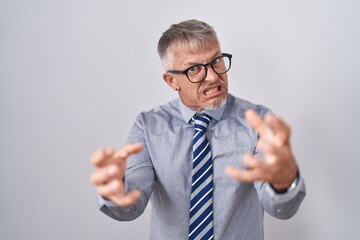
x,y
201,121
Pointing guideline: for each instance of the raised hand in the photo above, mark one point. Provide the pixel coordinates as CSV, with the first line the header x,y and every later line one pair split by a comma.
x,y
110,172
278,167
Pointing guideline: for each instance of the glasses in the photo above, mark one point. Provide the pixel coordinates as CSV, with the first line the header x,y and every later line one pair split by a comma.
x,y
198,72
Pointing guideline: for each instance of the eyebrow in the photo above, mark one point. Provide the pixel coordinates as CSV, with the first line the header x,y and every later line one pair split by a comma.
x,y
213,57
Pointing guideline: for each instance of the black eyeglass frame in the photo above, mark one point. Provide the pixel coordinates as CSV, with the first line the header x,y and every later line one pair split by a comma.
x,y
228,55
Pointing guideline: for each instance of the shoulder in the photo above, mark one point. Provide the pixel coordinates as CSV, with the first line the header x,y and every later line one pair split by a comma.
x,y
160,115
238,106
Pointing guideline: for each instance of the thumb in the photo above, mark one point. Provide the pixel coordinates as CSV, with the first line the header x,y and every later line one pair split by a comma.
x,y
127,199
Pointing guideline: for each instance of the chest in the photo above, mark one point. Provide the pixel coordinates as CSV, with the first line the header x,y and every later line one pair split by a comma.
x,y
171,152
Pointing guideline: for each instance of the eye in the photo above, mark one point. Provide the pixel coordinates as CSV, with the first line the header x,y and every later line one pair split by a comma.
x,y
194,69
218,61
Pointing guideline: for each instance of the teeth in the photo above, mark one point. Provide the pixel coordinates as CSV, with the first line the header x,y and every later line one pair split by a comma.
x,y
211,90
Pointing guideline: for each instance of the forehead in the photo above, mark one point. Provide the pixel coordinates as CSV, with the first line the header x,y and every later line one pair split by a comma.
x,y
182,55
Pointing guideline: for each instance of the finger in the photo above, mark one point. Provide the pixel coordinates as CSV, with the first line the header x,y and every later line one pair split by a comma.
x,y
104,175
242,175
253,163
128,150
281,129
114,187
266,147
127,199
101,156
258,124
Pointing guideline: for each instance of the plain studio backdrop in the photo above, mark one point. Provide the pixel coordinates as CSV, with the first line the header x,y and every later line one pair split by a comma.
x,y
74,75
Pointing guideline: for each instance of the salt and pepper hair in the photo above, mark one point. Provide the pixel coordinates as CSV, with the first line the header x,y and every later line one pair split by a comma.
x,y
192,34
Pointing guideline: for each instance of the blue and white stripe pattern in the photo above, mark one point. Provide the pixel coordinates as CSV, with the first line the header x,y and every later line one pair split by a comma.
x,y
201,208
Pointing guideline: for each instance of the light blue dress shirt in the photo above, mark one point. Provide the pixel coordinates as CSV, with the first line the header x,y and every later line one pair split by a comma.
x,y
163,174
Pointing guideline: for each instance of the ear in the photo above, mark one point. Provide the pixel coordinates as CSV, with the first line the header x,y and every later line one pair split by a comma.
x,y
171,81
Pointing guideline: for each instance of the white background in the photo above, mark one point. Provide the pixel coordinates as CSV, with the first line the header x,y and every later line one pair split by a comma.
x,y
74,75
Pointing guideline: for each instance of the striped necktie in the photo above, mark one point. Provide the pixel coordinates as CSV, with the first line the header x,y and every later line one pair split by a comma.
x,y
201,208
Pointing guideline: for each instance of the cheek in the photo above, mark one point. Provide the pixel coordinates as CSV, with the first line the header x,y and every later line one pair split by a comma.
x,y
190,91
192,94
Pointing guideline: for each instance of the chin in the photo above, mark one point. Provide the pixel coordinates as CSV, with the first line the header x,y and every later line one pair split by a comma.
x,y
218,103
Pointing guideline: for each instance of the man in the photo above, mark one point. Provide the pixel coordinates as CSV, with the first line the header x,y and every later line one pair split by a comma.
x,y
211,162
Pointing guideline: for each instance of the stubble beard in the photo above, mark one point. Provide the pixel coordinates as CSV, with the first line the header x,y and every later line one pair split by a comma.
x,y
218,103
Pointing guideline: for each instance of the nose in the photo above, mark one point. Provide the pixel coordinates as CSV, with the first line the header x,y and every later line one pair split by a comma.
x,y
211,75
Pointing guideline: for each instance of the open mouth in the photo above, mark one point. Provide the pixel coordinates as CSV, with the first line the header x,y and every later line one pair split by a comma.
x,y
212,90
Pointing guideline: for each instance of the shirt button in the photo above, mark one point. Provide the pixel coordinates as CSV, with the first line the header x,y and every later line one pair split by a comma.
x,y
278,210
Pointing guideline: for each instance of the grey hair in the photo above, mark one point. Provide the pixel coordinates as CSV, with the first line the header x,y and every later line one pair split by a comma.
x,y
193,33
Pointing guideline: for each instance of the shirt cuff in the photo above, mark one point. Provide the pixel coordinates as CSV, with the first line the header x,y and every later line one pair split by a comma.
x,y
280,198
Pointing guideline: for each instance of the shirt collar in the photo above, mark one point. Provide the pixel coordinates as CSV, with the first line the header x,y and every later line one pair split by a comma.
x,y
188,113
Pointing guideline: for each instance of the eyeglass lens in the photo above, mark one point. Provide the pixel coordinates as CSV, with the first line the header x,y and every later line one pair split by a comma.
x,y
198,73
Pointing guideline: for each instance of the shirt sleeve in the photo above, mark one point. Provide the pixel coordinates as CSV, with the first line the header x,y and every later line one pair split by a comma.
x,y
139,175
281,205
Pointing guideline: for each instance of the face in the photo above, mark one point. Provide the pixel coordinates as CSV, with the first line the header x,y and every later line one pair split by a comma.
x,y
208,94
